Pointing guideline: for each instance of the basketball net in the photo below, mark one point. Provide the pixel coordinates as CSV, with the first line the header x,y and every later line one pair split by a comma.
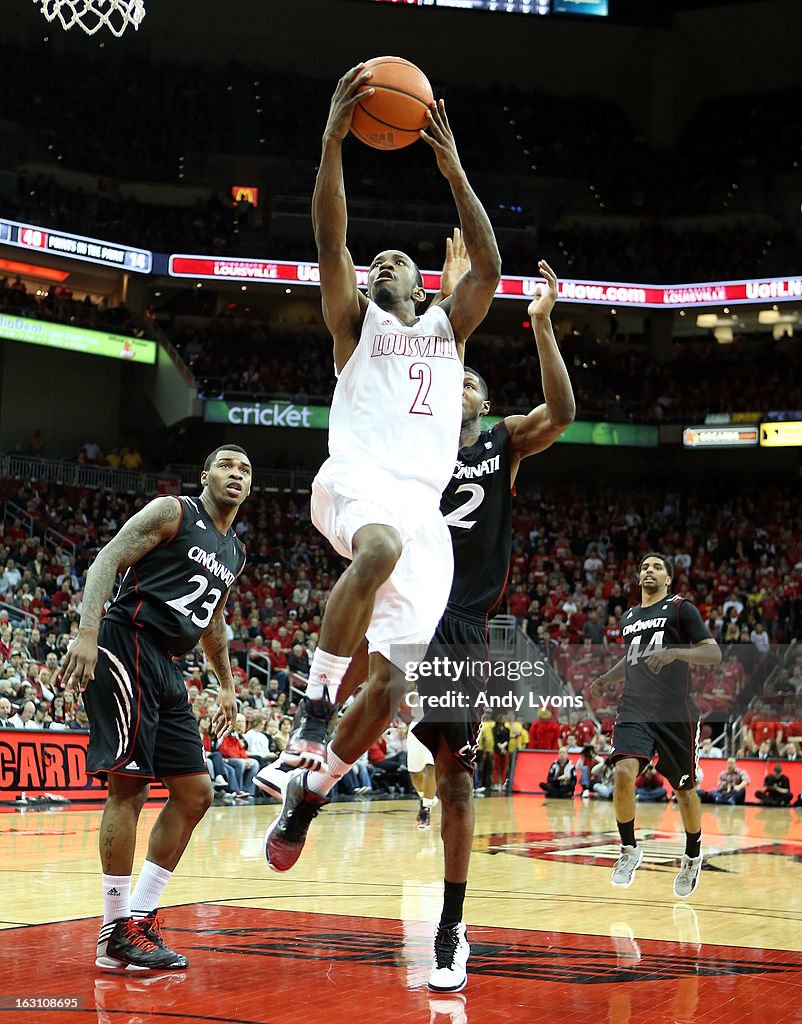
x,y
91,15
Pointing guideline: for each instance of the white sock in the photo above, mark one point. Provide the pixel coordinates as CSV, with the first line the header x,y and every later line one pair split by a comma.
x,y
325,675
322,782
116,897
149,888
427,801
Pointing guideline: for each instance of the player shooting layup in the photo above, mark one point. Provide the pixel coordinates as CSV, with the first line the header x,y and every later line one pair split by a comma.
x,y
394,432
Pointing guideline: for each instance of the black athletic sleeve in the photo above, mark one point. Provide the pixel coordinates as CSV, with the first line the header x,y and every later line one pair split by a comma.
x,y
691,623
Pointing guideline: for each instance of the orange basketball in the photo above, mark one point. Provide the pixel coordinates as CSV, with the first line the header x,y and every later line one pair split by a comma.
x,y
394,114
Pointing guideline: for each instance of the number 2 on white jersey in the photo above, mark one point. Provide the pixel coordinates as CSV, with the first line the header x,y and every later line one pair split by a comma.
x,y
457,516
421,372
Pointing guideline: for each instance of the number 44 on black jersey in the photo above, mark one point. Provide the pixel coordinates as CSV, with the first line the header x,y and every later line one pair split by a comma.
x,y
672,622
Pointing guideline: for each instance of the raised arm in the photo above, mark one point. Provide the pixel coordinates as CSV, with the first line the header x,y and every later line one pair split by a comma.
x,y
543,425
455,264
474,291
343,304
153,525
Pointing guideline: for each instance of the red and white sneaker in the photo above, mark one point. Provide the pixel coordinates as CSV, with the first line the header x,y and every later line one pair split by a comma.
x,y
285,839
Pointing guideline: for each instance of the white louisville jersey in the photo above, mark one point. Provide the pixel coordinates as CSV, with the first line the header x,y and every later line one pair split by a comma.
x,y
397,406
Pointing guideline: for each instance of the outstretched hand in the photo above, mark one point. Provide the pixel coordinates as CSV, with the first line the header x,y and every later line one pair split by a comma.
x,y
545,294
346,96
455,264
438,135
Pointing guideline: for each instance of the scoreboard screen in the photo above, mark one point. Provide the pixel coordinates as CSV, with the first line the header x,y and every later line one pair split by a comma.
x,y
591,7
76,247
598,8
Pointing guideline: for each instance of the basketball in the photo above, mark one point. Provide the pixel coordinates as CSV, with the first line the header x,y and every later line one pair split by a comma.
x,y
394,114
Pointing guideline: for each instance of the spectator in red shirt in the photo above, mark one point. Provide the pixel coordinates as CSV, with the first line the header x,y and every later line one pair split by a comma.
x,y
239,673
650,786
235,752
585,731
518,603
278,663
63,595
762,729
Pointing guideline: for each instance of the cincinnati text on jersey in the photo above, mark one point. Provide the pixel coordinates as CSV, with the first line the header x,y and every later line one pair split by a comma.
x,y
209,562
638,627
463,472
428,347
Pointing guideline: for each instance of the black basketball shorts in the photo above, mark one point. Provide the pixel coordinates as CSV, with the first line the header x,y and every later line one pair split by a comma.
x,y
464,640
140,719
676,744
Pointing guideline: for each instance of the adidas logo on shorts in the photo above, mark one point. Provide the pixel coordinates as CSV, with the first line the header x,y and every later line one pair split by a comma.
x,y
133,765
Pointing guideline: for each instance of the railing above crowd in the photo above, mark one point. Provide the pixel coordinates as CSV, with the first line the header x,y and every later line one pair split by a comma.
x,y
171,480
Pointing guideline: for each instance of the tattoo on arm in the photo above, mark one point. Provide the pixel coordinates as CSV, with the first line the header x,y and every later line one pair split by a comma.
x,y
141,534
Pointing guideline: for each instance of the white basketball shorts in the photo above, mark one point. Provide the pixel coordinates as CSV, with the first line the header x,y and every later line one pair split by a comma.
x,y
410,602
418,755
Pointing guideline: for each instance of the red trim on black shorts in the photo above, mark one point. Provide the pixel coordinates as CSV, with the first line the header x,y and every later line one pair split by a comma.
x,y
123,775
183,775
625,753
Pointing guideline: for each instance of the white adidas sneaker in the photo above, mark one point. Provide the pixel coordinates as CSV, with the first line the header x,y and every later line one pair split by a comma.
x,y
450,960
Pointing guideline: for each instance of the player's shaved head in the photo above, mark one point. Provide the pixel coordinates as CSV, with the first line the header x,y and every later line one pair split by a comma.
x,y
479,380
212,456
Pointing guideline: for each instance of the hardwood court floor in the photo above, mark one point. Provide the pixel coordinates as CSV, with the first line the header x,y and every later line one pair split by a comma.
x,y
346,935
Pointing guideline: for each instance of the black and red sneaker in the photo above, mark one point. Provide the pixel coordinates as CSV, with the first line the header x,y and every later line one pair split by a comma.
x,y
285,839
127,944
306,746
152,926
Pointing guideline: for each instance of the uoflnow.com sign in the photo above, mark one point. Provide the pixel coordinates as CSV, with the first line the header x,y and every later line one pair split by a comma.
x,y
599,293
36,763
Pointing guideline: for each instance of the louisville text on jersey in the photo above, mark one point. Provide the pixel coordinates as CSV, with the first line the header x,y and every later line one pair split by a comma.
x,y
429,347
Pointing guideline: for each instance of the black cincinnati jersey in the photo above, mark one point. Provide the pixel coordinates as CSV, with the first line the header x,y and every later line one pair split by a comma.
x,y
477,505
673,622
174,591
